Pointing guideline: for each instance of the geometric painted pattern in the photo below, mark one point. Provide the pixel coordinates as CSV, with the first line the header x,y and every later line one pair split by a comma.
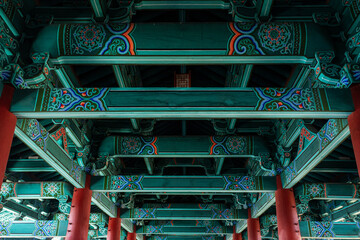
x,y
79,99
145,213
45,228
285,99
239,183
321,229
126,182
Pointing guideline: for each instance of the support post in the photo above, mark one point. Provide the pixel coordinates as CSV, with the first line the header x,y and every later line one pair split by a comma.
x,y
236,236
7,128
114,229
287,218
80,213
354,124
132,236
253,226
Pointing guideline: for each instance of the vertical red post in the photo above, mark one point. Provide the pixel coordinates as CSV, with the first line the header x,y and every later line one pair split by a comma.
x,y
7,128
132,236
114,229
287,217
253,228
236,236
354,124
79,217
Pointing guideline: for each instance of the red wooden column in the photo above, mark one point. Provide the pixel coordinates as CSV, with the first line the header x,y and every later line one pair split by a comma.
x,y
114,229
236,236
287,218
354,124
80,213
7,128
132,236
253,228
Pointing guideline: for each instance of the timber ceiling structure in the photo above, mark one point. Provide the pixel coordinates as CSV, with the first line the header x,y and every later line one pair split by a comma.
x,y
187,120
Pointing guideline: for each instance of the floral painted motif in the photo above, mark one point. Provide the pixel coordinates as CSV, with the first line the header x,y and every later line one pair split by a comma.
x,y
315,190
275,37
239,183
283,99
131,144
51,189
80,99
88,37
126,182
139,145
227,145
7,190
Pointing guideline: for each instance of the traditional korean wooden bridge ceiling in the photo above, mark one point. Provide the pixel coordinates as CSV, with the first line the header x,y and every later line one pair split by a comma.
x,y
267,93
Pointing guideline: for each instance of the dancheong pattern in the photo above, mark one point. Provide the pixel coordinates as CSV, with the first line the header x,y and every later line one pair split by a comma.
x,y
80,99
239,183
251,39
36,132
126,182
45,228
282,99
227,145
138,145
97,39
321,229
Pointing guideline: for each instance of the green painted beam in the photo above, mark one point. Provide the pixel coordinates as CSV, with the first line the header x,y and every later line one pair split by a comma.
x,y
33,134
213,41
28,165
35,190
333,133
23,229
172,184
185,223
99,8
182,146
179,237
192,103
192,231
313,148
180,4
349,210
327,191
21,209
329,230
211,212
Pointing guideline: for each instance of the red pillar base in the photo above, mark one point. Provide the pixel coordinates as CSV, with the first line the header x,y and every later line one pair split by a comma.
x,y
132,236
114,229
80,213
354,124
253,228
7,128
287,218
236,236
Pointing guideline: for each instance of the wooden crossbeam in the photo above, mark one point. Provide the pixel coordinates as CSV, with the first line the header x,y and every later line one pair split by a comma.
x,y
183,184
183,146
201,212
191,103
193,231
153,43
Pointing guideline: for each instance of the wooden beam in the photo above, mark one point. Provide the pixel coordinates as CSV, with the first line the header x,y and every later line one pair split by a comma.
x,y
192,103
183,146
181,184
223,43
